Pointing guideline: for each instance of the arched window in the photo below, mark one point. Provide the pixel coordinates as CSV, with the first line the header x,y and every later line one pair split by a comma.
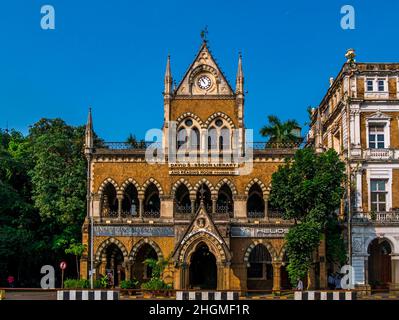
x,y
182,138
220,135
224,144
255,202
260,264
195,139
130,203
224,202
109,201
212,139
188,134
152,202
182,199
205,194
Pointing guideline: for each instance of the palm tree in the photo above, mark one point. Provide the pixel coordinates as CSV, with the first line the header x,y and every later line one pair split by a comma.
x,y
279,132
131,140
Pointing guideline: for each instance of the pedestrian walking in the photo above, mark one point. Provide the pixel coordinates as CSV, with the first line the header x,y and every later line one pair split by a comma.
x,y
299,285
331,281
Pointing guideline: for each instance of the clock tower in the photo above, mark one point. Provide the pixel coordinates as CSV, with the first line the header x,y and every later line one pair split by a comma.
x,y
204,100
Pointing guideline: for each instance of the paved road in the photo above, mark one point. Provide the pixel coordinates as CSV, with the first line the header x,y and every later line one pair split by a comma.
x,y
29,295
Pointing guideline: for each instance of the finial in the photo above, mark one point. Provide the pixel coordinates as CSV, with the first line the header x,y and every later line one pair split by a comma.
x,y
204,34
350,56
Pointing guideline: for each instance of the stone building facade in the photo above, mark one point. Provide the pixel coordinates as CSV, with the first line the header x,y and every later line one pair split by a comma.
x,y
209,218
359,118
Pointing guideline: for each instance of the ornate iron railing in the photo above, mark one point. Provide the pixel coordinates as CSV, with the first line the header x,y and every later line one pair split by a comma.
x,y
129,214
145,144
151,214
256,214
183,209
381,217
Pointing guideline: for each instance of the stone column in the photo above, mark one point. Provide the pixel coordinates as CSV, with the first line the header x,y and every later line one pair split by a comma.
x,y
102,266
128,268
83,267
220,276
184,276
240,207
96,205
277,276
141,205
214,199
192,205
166,207
266,200
394,285
119,196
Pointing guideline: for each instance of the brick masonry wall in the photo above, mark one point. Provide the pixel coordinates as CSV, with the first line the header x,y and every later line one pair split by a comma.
x,y
204,108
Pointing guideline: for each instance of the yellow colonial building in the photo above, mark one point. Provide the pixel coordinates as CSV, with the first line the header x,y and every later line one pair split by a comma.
x,y
359,118
204,208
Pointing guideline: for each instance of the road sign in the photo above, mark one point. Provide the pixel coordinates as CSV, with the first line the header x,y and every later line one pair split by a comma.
x,y
63,265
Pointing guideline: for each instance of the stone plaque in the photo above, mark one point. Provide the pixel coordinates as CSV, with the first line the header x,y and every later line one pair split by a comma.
x,y
133,231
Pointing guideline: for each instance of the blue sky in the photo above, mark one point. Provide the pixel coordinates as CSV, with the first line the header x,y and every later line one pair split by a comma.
x,y
111,55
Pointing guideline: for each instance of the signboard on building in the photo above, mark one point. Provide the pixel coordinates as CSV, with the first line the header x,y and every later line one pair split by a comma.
x,y
133,231
258,232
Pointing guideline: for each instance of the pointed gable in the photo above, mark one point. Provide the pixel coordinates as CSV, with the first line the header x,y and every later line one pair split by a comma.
x,y
202,225
204,65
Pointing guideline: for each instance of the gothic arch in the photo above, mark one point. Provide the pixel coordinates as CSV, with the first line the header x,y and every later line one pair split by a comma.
x,y
200,68
254,244
214,244
133,182
140,243
219,115
204,181
155,182
261,185
189,115
268,189
104,184
388,238
283,250
229,183
178,183
100,253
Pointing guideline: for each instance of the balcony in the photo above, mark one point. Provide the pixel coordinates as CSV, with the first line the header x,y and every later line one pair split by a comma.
x,y
380,154
377,217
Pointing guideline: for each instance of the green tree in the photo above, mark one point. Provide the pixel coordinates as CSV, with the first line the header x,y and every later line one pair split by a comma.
x,y
280,132
75,248
308,189
58,178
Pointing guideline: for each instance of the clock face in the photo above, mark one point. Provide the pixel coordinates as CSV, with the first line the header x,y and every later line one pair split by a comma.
x,y
204,82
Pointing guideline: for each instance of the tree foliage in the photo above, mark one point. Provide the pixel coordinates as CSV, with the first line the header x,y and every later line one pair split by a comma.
x,y
42,197
281,132
308,189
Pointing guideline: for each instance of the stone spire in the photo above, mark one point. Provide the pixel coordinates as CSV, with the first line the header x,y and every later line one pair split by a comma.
x,y
168,82
240,77
89,134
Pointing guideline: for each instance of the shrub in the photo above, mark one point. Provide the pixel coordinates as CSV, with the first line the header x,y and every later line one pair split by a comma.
x,y
155,283
129,284
76,284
